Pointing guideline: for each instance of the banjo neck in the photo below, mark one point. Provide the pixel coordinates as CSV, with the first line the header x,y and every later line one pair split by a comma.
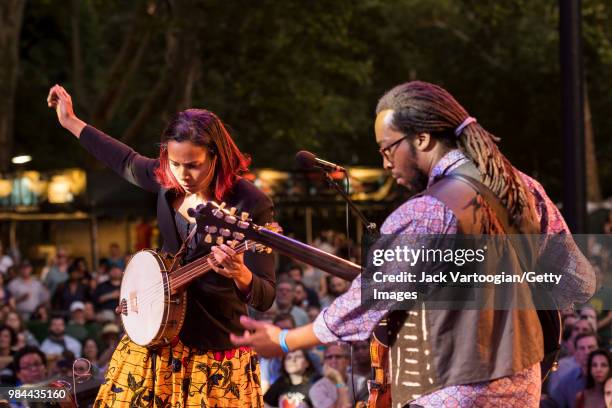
x,y
184,275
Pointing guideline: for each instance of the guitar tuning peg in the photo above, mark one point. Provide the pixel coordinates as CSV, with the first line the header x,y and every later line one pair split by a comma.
x,y
208,238
232,244
219,240
222,206
232,210
238,236
268,250
211,229
225,232
244,216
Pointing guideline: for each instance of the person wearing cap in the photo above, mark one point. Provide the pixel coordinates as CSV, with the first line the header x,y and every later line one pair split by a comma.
x,y
77,326
464,185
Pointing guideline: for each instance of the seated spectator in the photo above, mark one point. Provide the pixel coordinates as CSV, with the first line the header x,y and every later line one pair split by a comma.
x,y
571,382
27,290
57,273
588,313
8,339
291,388
335,389
304,295
362,363
102,274
5,295
602,302
270,368
115,256
58,341
106,295
285,294
80,263
6,262
608,392
598,371
91,353
38,324
77,327
31,365
72,290
581,326
312,312
335,287
24,336
110,339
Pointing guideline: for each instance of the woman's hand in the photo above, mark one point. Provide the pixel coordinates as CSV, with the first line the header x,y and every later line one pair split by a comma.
x,y
61,101
228,263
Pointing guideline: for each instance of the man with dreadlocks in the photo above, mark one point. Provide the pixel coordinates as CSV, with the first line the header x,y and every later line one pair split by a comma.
x,y
484,358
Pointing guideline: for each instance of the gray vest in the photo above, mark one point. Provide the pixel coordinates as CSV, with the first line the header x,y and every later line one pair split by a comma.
x,y
432,349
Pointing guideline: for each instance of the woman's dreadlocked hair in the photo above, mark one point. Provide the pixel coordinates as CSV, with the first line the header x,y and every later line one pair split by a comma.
x,y
421,107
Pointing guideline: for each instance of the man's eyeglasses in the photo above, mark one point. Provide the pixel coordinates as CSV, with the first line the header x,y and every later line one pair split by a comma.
x,y
386,150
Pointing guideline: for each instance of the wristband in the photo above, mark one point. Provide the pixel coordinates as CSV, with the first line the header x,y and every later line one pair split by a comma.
x,y
282,340
340,385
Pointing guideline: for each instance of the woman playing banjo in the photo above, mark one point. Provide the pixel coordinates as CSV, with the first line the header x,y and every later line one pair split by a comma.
x,y
198,162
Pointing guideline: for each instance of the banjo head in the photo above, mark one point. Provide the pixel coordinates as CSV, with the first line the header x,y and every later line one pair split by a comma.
x,y
142,295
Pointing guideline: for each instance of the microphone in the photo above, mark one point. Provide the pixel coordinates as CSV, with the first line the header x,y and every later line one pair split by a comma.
x,y
307,160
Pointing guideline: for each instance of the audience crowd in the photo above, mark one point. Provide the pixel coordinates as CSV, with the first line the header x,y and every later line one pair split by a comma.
x,y
52,317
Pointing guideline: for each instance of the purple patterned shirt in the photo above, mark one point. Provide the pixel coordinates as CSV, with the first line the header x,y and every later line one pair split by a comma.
x,y
347,319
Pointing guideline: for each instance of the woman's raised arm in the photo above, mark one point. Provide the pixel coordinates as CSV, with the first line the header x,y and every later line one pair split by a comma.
x,y
122,159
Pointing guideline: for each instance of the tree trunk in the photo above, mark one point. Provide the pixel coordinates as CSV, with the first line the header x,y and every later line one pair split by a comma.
x,y
592,173
77,58
11,16
130,54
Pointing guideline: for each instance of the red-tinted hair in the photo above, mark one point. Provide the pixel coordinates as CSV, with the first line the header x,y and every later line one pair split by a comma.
x,y
203,128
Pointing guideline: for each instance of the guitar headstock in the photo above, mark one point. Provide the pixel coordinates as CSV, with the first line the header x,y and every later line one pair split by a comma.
x,y
224,225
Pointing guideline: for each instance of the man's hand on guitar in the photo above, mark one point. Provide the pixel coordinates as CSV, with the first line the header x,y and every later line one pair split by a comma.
x,y
262,337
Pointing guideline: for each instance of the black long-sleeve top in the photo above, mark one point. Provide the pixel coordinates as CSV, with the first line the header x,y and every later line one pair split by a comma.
x,y
214,302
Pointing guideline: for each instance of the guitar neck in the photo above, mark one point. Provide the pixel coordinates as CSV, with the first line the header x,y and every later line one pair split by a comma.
x,y
312,256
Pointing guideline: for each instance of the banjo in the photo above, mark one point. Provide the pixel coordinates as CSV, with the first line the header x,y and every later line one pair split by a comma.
x,y
153,299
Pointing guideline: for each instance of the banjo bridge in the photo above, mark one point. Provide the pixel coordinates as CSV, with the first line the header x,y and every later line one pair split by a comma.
x,y
134,302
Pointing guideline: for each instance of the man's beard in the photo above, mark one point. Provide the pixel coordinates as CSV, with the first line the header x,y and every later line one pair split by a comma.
x,y
418,183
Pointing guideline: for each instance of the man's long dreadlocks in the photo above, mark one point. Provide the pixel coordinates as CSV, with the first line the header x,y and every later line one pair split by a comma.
x,y
421,107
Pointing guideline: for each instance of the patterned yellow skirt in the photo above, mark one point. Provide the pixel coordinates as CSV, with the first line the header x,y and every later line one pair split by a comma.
x,y
183,378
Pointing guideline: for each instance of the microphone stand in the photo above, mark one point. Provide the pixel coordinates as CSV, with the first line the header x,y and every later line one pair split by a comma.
x,y
370,232
370,226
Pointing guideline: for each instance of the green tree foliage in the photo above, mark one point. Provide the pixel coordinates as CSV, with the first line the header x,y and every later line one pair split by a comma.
x,y
290,75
